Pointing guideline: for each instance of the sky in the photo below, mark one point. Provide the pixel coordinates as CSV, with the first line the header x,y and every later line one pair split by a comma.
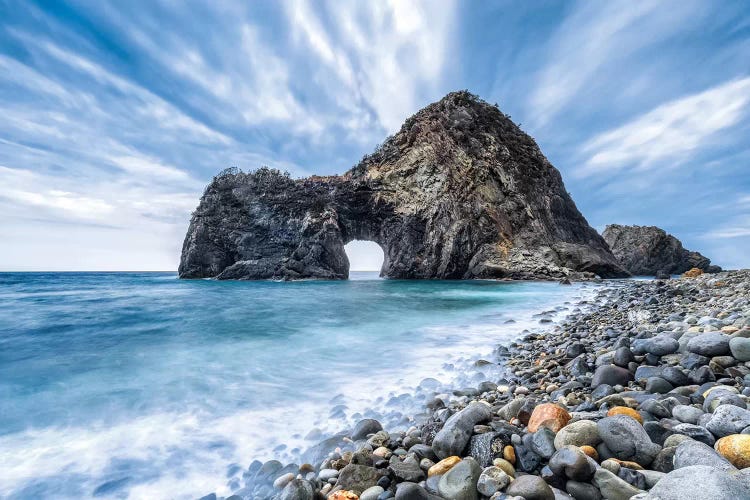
x,y
115,115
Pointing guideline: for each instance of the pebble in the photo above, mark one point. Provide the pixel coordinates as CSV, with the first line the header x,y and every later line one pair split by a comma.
x,y
531,488
736,449
740,348
624,410
491,480
460,483
627,439
580,433
548,415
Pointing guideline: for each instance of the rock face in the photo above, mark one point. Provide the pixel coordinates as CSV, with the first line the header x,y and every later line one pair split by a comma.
x,y
459,192
648,250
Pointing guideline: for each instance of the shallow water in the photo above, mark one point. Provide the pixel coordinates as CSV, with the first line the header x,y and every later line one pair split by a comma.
x,y
140,385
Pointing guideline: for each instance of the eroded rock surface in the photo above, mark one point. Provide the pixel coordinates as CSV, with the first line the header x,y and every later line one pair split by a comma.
x,y
459,192
649,250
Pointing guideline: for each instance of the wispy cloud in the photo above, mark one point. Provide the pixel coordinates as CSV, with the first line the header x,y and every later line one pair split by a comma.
x,y
669,131
591,41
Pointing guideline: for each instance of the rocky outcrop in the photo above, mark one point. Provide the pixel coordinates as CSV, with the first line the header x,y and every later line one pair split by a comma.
x,y
649,250
459,192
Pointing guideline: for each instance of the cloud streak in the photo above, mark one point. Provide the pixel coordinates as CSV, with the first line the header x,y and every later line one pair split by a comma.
x,y
669,132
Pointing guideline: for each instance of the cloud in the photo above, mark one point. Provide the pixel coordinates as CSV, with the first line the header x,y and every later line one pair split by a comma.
x,y
378,60
670,131
590,42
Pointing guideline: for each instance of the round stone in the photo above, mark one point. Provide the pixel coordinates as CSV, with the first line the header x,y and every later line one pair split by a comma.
x,y
709,344
572,463
611,375
687,414
657,385
371,493
698,482
627,440
740,348
506,466
580,433
548,415
736,449
727,420
624,410
365,427
443,466
492,480
461,481
531,488
658,346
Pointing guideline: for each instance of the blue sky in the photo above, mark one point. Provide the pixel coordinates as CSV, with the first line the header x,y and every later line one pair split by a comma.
x,y
114,115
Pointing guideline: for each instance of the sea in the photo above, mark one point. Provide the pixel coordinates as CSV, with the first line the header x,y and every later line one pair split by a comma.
x,y
145,386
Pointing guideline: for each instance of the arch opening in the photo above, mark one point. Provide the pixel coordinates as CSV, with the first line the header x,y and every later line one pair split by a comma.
x,y
364,256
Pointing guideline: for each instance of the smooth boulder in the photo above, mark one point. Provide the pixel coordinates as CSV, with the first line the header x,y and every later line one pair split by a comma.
x,y
455,434
627,440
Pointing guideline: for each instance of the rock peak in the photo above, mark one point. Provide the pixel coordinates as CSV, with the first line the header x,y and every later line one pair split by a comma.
x,y
459,192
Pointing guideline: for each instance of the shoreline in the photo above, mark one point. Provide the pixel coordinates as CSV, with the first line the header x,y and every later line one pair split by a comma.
x,y
566,367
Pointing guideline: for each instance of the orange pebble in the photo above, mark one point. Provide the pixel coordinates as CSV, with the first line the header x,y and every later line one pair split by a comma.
x,y
624,410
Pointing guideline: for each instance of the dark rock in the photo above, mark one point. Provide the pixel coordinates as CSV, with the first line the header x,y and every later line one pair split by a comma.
x,y
611,375
412,491
658,385
612,487
454,436
542,442
664,461
657,432
632,477
408,470
513,220
696,432
582,491
623,356
297,489
461,481
655,408
709,344
674,376
365,427
526,459
646,250
627,439
572,463
357,477
692,360
575,349
701,375
486,447
530,488
659,345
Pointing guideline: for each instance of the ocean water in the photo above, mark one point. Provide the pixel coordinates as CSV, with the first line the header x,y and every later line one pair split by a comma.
x,y
140,385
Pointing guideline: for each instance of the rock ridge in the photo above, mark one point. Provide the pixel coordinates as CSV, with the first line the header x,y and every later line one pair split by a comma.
x,y
459,192
649,250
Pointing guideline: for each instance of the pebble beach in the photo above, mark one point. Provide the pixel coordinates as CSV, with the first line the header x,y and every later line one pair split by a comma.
x,y
641,392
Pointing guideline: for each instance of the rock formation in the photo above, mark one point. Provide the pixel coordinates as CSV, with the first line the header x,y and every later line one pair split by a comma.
x,y
459,192
649,250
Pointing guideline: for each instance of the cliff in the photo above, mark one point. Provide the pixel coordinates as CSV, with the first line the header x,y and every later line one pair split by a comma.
x,y
649,250
459,192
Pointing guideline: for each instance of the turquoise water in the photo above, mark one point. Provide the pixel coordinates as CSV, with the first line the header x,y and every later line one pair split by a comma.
x,y
140,385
